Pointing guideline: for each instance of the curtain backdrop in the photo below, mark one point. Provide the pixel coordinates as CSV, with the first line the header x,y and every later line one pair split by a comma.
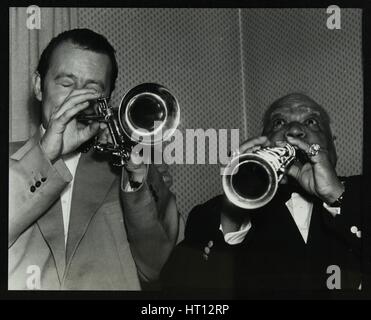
x,y
25,48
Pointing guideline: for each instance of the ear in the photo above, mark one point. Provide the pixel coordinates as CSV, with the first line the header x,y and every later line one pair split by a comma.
x,y
36,82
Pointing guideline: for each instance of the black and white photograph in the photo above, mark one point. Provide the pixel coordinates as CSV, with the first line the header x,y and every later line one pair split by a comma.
x,y
187,152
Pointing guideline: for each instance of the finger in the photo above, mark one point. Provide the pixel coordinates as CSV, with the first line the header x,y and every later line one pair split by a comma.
x,y
132,167
141,154
103,126
321,156
77,92
89,131
75,101
281,143
103,135
109,137
255,148
294,170
301,145
251,143
72,101
136,159
69,114
60,122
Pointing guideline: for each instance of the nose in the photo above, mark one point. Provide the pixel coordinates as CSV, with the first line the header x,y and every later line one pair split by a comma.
x,y
295,130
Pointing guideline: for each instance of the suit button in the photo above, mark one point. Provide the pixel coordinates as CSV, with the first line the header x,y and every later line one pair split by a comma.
x,y
353,229
38,184
43,179
207,250
33,188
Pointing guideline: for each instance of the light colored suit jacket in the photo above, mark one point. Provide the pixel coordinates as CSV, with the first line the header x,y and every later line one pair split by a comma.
x,y
115,238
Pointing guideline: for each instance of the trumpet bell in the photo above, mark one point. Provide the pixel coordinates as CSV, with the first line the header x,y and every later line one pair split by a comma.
x,y
149,114
251,181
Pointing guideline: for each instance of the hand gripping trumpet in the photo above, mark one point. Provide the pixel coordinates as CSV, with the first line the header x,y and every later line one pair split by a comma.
x,y
251,179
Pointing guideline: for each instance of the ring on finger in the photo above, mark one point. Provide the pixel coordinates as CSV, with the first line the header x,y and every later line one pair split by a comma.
x,y
313,149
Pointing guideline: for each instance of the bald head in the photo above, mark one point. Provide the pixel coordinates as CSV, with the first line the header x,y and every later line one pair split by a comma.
x,y
298,114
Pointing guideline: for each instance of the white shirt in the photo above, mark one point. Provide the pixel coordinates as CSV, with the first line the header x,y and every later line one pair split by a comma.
x,y
301,211
71,162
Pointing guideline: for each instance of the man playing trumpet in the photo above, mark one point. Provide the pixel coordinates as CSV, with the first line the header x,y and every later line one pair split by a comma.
x,y
73,222
308,237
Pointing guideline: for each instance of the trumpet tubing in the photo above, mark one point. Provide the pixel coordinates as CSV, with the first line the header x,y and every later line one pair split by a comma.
x,y
143,112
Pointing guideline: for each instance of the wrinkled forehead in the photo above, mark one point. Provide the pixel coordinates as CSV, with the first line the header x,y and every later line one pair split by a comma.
x,y
298,109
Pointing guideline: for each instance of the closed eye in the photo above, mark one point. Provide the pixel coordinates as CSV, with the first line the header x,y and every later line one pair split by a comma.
x,y
66,85
65,82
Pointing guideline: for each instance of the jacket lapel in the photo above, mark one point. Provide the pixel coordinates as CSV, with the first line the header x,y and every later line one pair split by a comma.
x,y
92,182
314,236
51,226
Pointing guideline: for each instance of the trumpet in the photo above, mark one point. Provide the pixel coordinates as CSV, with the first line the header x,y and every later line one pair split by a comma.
x,y
147,114
251,179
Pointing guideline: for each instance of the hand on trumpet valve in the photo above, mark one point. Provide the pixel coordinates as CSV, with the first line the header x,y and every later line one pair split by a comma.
x,y
136,167
104,136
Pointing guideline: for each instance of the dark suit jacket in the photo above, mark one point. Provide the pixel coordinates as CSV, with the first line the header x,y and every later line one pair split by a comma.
x,y
273,256
115,238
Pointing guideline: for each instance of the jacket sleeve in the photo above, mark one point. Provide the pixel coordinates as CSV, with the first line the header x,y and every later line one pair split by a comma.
x,y
183,269
188,267
154,225
34,184
347,224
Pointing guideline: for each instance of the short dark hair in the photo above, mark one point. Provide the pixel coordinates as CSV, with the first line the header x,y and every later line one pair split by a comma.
x,y
84,38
